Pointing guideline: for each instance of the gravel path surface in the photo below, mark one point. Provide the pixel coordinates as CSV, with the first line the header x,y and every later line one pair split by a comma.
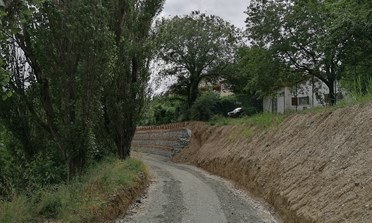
x,y
182,193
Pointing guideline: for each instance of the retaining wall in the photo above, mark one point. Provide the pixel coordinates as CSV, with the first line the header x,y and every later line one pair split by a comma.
x,y
166,140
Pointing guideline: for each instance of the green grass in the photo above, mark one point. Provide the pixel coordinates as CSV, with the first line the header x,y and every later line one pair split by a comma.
x,y
268,120
78,201
249,124
262,120
353,99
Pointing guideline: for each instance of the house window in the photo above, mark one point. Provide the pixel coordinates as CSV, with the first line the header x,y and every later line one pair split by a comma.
x,y
303,100
300,101
294,101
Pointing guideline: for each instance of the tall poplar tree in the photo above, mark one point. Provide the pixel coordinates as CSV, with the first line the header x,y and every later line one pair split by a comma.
x,y
131,22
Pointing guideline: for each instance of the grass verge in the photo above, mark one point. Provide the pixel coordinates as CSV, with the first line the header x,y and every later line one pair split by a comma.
x,y
262,120
266,120
102,194
249,124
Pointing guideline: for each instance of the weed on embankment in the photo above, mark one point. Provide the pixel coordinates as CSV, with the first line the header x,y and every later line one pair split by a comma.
x,y
103,193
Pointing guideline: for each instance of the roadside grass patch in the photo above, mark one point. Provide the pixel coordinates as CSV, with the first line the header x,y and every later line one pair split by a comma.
x,y
267,120
249,124
261,120
352,100
82,200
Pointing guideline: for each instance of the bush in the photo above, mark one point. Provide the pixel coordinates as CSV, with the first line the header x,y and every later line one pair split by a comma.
x,y
18,210
205,106
50,206
210,104
227,104
80,200
164,115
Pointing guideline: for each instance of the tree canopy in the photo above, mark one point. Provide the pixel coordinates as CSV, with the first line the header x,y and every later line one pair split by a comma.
x,y
73,79
352,21
258,73
126,91
300,34
195,48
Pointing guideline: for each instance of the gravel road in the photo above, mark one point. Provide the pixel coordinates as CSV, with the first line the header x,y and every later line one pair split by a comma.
x,y
183,193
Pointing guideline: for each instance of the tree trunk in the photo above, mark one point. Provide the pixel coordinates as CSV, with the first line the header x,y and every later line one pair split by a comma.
x,y
124,137
124,150
124,144
76,163
332,94
193,94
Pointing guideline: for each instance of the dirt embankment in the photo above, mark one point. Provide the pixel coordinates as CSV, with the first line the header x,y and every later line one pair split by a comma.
x,y
119,203
314,167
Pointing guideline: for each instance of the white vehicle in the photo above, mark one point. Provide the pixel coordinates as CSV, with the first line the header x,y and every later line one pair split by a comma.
x,y
235,113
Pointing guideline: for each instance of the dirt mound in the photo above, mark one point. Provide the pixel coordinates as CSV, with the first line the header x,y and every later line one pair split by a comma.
x,y
314,167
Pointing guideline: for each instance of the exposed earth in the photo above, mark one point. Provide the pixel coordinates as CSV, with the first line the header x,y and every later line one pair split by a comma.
x,y
313,167
183,193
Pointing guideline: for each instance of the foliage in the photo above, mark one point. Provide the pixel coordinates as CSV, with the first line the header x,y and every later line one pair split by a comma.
x,y
259,73
21,175
228,103
205,106
162,109
195,48
167,109
359,91
353,20
125,93
261,121
164,115
73,78
55,76
300,34
81,200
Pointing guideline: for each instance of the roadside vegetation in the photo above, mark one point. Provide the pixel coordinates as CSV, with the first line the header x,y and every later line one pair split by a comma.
x,y
101,194
74,76
265,120
291,42
262,120
73,82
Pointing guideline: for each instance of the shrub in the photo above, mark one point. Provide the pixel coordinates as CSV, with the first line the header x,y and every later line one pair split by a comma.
x,y
205,106
80,200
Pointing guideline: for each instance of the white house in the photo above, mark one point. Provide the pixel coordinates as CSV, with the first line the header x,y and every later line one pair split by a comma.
x,y
300,97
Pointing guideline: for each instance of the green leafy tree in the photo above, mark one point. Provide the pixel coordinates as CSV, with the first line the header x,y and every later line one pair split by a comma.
x,y
125,94
205,106
352,20
195,48
55,54
299,34
259,73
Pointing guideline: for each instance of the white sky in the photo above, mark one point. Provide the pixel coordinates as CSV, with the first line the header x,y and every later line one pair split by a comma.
x,y
230,10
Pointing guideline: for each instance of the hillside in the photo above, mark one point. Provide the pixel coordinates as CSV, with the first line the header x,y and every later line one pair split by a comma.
x,y
313,167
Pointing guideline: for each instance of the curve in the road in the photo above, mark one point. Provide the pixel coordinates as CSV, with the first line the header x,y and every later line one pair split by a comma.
x,y
182,193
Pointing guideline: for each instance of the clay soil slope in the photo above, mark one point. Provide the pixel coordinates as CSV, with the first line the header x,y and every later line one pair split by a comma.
x,y
313,167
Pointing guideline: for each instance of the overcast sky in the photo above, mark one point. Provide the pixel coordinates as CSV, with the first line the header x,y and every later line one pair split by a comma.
x,y
229,10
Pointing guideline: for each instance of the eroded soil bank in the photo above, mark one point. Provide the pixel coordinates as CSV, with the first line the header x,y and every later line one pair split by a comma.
x,y
313,167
